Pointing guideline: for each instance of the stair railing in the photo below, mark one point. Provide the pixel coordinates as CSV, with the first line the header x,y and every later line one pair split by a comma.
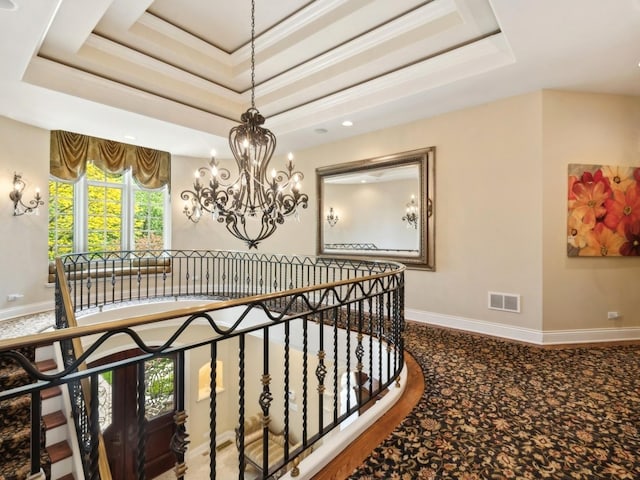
x,y
311,318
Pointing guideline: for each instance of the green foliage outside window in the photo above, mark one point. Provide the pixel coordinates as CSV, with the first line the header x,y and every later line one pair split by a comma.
x,y
104,210
148,220
60,219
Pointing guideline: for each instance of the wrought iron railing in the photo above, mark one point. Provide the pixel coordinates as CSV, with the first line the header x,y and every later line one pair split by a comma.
x,y
328,329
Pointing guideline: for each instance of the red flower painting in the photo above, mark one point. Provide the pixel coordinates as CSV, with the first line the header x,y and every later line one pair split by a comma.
x,y
604,211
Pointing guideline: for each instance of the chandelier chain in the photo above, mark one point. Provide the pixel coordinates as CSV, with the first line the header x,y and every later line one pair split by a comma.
x,y
253,54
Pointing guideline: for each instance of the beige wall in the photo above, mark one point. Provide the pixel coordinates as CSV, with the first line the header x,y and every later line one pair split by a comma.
x,y
488,206
23,240
589,129
500,206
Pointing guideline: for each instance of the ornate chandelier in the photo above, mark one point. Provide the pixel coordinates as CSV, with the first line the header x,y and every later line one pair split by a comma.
x,y
253,205
411,215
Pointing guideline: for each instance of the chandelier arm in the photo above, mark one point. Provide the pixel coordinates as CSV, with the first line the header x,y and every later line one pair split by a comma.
x,y
291,201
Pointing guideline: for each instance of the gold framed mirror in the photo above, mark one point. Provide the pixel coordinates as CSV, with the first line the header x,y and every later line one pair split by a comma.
x,y
379,208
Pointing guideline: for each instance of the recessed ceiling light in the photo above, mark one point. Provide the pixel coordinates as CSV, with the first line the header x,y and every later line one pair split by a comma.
x,y
8,5
128,137
347,123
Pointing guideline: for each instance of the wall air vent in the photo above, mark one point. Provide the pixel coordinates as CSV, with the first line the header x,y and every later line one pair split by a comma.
x,y
506,302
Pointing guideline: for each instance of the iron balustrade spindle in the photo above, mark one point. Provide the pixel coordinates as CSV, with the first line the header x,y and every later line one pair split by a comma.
x,y
179,440
305,368
94,428
240,437
287,333
335,365
321,371
213,396
36,412
370,326
141,423
348,349
389,337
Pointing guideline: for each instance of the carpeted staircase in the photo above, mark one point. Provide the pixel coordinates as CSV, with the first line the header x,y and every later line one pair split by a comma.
x,y
15,424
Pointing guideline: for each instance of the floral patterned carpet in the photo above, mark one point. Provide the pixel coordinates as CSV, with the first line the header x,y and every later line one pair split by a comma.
x,y
495,409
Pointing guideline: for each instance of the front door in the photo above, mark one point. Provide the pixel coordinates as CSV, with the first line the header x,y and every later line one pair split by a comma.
x,y
119,418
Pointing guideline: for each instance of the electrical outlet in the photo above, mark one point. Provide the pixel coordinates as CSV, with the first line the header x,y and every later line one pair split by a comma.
x,y
613,315
12,297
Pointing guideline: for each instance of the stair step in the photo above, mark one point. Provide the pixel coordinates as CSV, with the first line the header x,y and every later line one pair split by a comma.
x,y
13,439
50,392
12,376
44,352
59,451
46,365
53,420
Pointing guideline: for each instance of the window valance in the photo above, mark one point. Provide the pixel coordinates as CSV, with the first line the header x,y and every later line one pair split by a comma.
x,y
71,151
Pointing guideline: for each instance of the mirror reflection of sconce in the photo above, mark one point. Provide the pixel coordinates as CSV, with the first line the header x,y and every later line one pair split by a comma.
x,y
411,215
19,207
332,218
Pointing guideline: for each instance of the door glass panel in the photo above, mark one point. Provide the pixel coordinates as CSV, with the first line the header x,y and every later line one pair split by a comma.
x,y
105,396
159,386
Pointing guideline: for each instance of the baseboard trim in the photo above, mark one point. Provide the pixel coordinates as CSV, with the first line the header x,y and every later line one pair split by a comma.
x,y
476,326
527,335
22,310
595,335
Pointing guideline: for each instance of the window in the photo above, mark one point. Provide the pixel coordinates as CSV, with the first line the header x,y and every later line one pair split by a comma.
x,y
159,387
105,212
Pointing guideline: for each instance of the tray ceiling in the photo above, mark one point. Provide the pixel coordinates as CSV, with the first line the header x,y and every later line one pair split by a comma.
x,y
177,74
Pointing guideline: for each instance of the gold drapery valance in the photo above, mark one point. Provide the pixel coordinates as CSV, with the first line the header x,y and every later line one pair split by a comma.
x,y
71,151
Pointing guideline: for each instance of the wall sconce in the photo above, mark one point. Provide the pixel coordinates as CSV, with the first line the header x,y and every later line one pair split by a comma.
x,y
411,215
332,218
19,207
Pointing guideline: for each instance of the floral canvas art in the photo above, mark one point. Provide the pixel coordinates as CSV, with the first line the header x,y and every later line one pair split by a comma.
x,y
604,211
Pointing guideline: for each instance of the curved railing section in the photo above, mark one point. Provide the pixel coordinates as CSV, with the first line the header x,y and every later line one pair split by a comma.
x,y
303,344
